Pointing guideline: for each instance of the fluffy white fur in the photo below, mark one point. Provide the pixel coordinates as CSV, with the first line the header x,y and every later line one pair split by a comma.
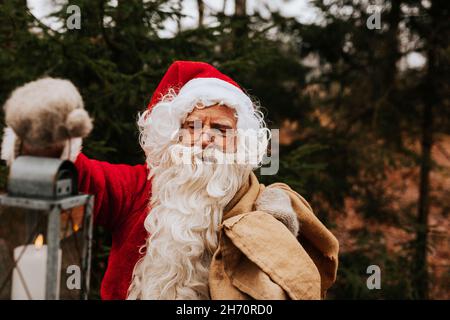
x,y
213,90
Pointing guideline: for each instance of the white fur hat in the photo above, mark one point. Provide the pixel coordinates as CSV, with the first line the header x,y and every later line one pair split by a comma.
x,y
42,113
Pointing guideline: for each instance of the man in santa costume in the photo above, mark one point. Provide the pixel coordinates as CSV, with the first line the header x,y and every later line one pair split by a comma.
x,y
193,222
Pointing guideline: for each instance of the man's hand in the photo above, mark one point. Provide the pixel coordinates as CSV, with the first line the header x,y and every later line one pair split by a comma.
x,y
277,203
53,151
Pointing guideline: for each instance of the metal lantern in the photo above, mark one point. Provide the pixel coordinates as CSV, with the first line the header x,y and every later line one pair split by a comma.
x,y
45,232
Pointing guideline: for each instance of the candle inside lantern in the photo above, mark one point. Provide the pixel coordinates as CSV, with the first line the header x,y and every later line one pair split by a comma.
x,y
29,275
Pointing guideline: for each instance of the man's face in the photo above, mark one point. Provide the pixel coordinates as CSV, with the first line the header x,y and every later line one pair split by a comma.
x,y
213,125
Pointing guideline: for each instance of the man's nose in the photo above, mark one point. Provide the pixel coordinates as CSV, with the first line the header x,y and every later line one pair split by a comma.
x,y
207,137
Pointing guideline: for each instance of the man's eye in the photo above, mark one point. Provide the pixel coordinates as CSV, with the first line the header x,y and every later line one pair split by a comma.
x,y
222,130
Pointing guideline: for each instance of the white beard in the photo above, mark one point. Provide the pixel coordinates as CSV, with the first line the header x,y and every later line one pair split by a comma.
x,y
187,207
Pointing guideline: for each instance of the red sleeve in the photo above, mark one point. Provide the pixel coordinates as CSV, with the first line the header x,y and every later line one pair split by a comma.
x,y
119,189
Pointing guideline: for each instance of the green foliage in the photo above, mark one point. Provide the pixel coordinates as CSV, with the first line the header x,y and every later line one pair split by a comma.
x,y
396,278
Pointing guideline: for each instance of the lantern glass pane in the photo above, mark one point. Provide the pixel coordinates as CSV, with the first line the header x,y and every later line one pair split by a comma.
x,y
23,253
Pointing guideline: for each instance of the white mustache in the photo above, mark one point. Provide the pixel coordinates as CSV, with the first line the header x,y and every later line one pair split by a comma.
x,y
181,154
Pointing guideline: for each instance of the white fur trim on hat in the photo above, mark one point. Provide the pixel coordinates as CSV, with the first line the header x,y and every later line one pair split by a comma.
x,y
71,150
211,91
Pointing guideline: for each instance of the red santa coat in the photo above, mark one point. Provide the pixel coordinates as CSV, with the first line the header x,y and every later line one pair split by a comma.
x,y
122,197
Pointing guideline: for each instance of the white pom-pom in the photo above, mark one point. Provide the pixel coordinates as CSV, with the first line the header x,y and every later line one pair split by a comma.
x,y
78,123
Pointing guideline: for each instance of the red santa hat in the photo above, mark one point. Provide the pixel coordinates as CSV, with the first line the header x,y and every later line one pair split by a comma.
x,y
195,82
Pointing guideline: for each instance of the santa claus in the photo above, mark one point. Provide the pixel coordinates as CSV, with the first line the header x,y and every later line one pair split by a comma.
x,y
193,222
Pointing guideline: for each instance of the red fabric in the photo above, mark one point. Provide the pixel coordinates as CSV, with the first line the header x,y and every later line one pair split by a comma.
x,y
180,72
122,195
